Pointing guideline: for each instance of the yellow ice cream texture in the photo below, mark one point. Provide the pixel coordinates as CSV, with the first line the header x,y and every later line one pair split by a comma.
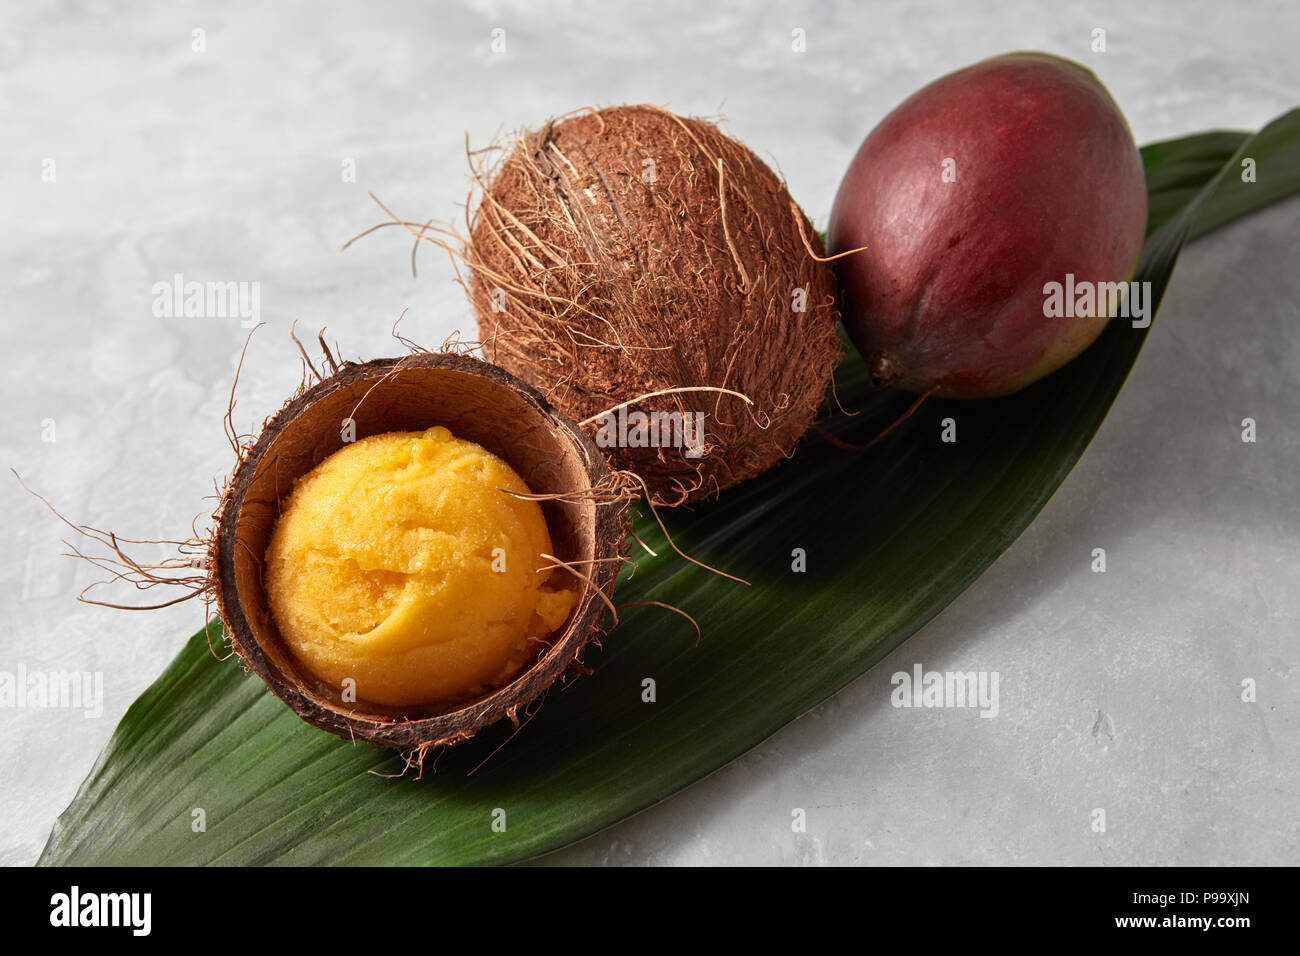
x,y
400,563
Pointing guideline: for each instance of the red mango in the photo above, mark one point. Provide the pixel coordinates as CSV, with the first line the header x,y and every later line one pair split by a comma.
x,y
972,198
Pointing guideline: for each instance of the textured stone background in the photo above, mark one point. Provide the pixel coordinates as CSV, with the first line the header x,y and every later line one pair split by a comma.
x,y
1119,690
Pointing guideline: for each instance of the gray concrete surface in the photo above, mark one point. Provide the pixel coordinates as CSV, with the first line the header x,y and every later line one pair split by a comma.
x,y
1120,691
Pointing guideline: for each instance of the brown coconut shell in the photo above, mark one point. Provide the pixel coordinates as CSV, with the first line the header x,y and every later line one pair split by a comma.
x,y
477,402
628,250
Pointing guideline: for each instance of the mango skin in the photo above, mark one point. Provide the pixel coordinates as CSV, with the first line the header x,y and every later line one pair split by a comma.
x,y
949,294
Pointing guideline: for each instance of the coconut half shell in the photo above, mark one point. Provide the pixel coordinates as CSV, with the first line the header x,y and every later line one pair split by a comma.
x,y
477,402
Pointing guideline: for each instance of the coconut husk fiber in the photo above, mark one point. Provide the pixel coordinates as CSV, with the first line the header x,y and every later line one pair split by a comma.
x,y
628,250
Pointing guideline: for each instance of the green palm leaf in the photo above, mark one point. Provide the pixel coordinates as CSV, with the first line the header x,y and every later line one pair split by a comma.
x,y
891,535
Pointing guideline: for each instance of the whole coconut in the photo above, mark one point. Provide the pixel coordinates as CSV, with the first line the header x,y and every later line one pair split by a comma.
x,y
972,197
629,250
